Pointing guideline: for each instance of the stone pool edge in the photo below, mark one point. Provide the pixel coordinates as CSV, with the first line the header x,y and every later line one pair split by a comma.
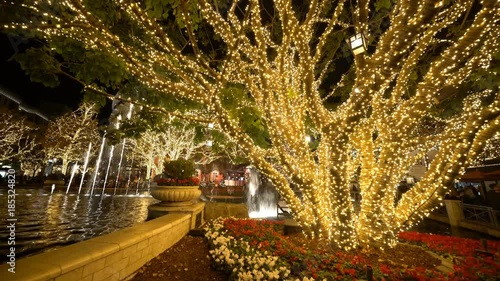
x,y
113,256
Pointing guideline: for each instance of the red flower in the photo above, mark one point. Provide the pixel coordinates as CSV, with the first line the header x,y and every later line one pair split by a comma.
x,y
350,271
385,269
265,236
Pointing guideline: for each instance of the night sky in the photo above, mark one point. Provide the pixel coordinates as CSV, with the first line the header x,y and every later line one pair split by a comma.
x,y
53,101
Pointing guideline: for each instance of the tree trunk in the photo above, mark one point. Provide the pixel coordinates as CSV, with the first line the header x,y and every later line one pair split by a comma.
x,y
64,164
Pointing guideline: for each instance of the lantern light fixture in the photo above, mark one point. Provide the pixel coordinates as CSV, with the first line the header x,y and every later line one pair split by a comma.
x,y
358,43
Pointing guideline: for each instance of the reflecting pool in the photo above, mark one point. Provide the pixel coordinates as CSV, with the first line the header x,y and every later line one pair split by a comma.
x,y
46,222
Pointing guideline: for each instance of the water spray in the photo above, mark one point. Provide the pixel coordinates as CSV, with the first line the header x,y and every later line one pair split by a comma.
x,y
97,164
84,168
73,171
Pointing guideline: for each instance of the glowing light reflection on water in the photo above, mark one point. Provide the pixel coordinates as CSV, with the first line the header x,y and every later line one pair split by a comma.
x,y
45,221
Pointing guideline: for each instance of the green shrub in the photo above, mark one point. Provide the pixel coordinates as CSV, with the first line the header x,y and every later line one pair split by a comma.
x,y
179,169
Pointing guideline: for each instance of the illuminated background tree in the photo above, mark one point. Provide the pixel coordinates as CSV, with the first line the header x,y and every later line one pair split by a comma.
x,y
152,148
68,136
16,136
273,67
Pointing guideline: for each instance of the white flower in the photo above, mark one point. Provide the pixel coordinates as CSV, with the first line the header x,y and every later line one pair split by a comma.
x,y
255,265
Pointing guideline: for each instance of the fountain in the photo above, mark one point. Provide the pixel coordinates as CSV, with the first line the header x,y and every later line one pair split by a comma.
x,y
84,171
63,218
73,171
107,170
119,167
137,188
54,220
129,174
261,196
97,164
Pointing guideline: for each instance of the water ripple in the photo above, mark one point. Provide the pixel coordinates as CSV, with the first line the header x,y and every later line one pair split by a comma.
x,y
46,222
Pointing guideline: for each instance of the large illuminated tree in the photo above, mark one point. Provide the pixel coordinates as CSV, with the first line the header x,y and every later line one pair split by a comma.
x,y
274,68
68,136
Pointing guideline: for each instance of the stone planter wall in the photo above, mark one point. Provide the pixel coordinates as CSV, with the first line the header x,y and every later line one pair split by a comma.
x,y
113,256
214,210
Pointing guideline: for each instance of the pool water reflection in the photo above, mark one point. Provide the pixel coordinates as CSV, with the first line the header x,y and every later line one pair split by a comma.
x,y
46,222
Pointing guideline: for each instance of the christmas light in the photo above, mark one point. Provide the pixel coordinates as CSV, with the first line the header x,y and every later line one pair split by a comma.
x,y
373,137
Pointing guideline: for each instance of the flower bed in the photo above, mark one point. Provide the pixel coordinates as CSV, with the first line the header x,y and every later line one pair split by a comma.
x,y
257,250
469,264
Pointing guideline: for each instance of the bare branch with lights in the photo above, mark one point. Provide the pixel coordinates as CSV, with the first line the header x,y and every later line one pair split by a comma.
x,y
68,136
16,136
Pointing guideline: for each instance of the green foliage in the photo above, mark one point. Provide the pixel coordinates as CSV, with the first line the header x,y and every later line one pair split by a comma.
x,y
164,9
105,10
43,65
487,79
238,103
219,141
90,66
102,68
383,4
479,80
341,92
91,96
134,90
143,121
332,45
40,66
69,49
179,169
448,108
